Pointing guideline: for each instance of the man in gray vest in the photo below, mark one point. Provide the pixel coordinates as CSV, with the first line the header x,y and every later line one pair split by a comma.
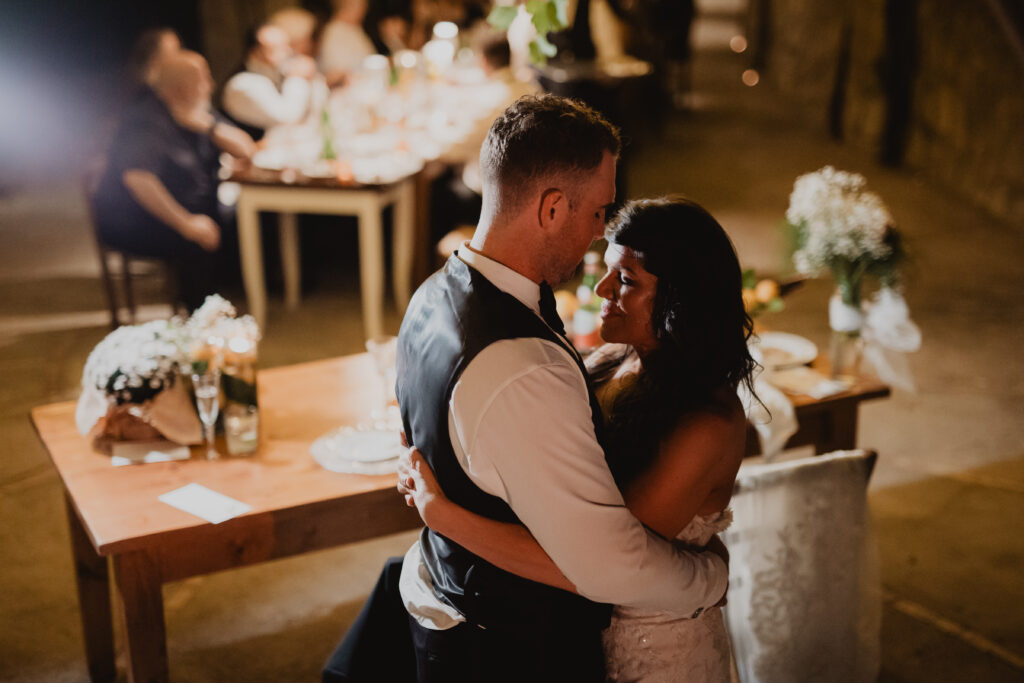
x,y
498,402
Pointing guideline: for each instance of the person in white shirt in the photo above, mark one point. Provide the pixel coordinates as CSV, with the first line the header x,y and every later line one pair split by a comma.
x,y
344,44
274,87
498,401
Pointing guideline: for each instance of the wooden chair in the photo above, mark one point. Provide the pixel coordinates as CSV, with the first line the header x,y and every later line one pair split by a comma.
x,y
90,184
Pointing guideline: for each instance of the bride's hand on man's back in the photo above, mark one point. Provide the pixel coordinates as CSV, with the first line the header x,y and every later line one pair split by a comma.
x,y
416,482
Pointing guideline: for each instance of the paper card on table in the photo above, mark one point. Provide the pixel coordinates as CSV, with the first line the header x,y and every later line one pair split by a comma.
x,y
803,380
139,452
206,503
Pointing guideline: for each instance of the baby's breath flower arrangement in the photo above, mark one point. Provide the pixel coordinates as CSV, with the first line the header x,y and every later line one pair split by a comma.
x,y
214,326
135,385
843,228
134,363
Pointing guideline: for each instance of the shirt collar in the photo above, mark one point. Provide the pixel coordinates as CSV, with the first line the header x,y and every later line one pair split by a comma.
x,y
504,278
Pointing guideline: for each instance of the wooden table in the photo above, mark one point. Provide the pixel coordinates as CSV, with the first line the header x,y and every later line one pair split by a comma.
x,y
297,506
267,191
829,424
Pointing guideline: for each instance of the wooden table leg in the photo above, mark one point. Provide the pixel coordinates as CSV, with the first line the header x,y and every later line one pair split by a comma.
x,y
138,581
371,268
250,247
91,575
291,266
404,239
843,429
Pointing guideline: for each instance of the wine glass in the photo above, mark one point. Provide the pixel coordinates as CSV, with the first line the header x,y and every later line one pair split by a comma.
x,y
207,388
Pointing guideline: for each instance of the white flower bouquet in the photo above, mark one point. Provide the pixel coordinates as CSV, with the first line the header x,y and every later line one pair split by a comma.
x,y
134,386
844,228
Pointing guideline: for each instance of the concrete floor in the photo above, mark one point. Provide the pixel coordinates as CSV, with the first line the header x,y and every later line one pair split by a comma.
x,y
947,495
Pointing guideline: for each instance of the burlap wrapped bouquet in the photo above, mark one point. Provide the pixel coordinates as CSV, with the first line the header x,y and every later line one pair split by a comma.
x,y
132,389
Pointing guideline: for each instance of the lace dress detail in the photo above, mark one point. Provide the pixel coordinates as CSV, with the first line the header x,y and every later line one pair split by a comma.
x,y
657,647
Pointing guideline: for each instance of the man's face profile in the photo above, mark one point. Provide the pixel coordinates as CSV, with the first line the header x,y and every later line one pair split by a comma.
x,y
590,200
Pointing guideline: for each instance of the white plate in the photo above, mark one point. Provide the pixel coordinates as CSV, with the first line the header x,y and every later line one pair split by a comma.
x,y
320,169
362,452
269,160
784,350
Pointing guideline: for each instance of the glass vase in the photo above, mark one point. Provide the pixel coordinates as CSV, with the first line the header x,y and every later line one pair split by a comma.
x,y
846,346
241,407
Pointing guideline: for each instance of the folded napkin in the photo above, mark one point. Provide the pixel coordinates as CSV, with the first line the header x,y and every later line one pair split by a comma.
x,y
141,452
889,335
770,413
807,381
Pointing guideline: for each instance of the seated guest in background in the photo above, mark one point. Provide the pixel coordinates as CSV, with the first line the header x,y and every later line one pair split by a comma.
x,y
150,51
158,194
344,44
300,25
273,87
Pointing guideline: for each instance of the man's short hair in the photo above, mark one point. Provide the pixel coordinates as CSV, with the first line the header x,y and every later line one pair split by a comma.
x,y
539,136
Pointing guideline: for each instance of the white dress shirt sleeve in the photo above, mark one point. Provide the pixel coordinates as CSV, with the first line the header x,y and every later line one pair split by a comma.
x,y
253,99
527,437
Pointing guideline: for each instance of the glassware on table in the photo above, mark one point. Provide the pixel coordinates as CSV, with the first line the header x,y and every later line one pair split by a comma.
x,y
207,390
241,428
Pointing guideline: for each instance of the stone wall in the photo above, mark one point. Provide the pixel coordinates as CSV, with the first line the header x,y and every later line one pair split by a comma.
x,y
802,51
964,122
967,126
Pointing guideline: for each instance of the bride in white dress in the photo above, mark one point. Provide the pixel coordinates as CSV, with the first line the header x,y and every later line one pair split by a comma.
x,y
675,430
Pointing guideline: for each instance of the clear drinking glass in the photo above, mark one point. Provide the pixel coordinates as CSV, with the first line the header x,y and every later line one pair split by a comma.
x,y
207,388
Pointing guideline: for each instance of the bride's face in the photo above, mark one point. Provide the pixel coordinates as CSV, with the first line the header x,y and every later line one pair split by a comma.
x,y
628,291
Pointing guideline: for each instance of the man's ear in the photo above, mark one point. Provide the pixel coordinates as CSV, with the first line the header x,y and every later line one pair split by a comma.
x,y
553,209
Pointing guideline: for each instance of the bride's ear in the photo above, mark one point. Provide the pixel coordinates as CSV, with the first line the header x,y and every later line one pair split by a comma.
x,y
552,209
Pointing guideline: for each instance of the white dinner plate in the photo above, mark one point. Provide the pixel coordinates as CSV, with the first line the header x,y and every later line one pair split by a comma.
x,y
784,350
358,451
320,169
269,160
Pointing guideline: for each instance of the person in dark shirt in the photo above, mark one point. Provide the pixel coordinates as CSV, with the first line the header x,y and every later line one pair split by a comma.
x,y
158,194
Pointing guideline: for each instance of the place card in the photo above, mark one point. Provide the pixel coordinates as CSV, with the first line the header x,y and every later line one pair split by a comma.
x,y
205,503
141,452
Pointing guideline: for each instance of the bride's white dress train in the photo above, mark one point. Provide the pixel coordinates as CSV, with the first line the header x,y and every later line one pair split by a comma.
x,y
655,647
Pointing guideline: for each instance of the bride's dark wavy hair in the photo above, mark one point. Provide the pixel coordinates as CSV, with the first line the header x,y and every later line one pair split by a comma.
x,y
699,321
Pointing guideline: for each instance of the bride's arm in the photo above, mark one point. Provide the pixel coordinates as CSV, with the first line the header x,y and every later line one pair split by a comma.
x,y
508,546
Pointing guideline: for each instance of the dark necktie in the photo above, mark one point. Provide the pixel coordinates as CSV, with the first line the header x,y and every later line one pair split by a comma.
x,y
548,310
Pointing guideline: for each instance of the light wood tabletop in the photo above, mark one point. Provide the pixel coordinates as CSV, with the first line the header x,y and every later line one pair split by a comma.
x,y
297,506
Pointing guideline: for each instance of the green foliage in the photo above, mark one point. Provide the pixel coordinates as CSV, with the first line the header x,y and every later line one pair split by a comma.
x,y
501,17
238,390
749,278
541,49
547,16
887,270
